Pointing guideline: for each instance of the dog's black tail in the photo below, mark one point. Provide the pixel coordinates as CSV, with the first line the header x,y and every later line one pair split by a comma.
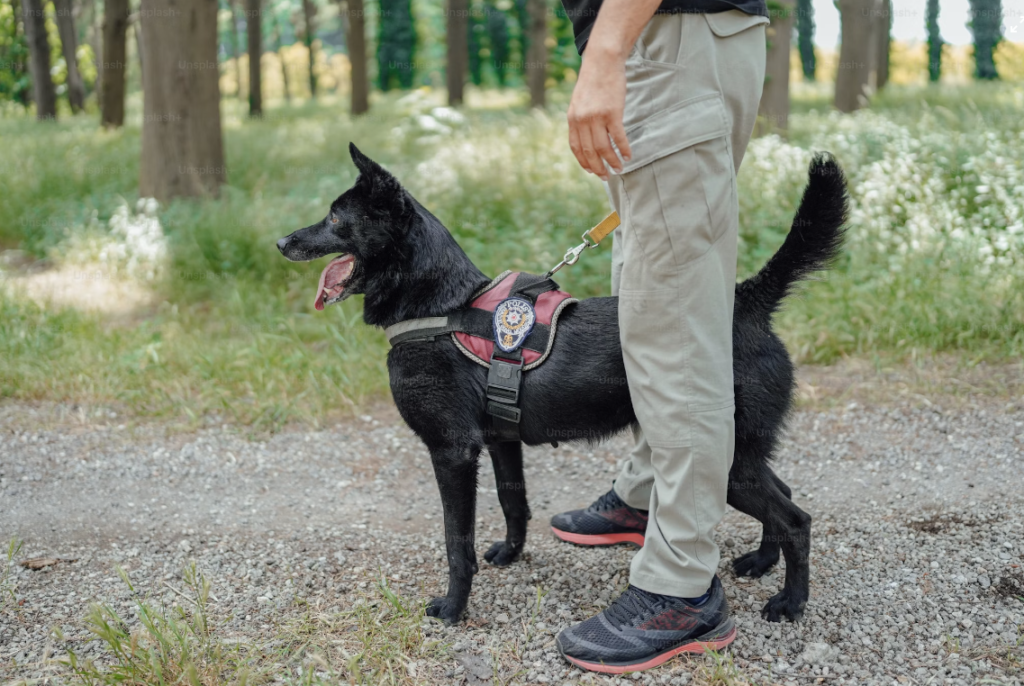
x,y
813,242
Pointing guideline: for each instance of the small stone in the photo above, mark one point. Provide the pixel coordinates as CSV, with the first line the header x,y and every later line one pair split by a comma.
x,y
502,618
817,653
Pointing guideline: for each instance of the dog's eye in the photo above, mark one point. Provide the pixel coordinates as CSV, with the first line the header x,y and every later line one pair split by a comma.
x,y
334,220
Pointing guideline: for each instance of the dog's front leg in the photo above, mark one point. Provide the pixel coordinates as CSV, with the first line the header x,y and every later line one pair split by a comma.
x,y
455,470
507,459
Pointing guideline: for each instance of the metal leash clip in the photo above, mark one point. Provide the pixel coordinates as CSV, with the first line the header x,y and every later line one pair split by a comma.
x,y
591,239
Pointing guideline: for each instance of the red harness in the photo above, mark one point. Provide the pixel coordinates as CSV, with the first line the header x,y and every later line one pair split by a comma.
x,y
547,307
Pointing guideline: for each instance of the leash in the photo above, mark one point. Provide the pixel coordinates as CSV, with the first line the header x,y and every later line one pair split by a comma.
x,y
591,238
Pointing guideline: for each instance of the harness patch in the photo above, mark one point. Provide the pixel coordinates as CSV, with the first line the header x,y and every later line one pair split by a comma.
x,y
513,321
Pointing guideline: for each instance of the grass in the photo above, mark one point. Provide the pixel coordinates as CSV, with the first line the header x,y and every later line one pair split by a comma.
x,y
8,585
378,641
933,265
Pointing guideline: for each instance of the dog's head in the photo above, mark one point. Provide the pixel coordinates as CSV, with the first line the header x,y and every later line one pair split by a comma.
x,y
363,229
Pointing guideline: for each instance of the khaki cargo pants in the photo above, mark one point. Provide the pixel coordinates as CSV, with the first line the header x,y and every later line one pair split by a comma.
x,y
693,87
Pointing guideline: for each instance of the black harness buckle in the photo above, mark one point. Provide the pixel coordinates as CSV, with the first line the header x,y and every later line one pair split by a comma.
x,y
503,380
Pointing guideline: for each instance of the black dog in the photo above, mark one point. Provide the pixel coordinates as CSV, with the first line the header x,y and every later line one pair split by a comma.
x,y
407,265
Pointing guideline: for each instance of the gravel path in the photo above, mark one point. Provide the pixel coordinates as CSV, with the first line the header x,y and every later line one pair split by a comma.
x,y
918,540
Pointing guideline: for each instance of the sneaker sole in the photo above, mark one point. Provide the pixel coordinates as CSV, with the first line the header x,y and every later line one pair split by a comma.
x,y
599,539
714,640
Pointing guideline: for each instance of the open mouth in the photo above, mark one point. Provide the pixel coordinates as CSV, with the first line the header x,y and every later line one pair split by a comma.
x,y
332,281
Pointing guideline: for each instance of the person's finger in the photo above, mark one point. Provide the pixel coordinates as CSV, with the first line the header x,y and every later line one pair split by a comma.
x,y
593,160
618,133
603,145
574,141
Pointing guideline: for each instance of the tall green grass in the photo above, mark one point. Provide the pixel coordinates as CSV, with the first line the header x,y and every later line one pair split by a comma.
x,y
233,333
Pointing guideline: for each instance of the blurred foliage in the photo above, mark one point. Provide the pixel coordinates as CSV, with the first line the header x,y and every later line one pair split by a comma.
x,y
15,81
986,23
908,64
933,264
934,42
805,37
396,45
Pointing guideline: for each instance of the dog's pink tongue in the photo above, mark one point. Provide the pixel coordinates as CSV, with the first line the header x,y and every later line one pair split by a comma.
x,y
331,278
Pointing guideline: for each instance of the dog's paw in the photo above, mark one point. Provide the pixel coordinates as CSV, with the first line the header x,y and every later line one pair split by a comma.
x,y
444,609
781,606
755,563
502,554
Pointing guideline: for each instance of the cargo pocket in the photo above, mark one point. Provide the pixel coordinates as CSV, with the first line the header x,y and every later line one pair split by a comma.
x,y
725,24
677,127
679,205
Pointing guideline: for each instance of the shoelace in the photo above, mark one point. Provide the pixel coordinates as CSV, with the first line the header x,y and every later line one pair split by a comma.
x,y
608,501
635,602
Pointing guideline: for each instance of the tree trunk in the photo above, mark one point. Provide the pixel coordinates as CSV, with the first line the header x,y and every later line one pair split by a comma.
x,y
855,71
253,29
458,50
986,22
136,23
112,67
95,41
233,6
280,57
883,44
182,148
43,92
356,39
934,41
308,13
69,48
773,111
537,52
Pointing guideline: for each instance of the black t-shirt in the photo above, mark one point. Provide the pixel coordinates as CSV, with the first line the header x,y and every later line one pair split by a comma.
x,y
583,13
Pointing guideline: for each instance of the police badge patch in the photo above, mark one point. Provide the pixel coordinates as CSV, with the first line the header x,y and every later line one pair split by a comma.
x,y
513,322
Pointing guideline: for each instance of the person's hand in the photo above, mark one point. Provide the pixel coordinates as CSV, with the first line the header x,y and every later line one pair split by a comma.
x,y
596,111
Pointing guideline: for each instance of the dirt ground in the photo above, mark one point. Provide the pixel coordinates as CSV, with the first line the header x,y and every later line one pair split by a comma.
x,y
913,476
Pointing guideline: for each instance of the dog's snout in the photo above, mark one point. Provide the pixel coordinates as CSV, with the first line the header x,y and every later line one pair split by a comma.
x,y
282,244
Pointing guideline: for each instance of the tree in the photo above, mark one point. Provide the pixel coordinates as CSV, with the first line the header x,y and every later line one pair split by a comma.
x,y
934,42
855,71
496,24
537,52
458,50
254,33
232,5
69,48
396,45
883,43
986,25
280,57
773,110
309,35
805,37
182,147
112,67
355,16
43,92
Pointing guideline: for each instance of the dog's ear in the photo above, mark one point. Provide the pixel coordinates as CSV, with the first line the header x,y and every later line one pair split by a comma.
x,y
379,186
364,164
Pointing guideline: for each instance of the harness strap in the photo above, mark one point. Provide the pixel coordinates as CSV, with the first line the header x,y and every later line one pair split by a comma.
x,y
504,377
472,320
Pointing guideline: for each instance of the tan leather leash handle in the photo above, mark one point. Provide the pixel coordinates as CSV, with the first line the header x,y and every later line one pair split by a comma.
x,y
603,228
591,238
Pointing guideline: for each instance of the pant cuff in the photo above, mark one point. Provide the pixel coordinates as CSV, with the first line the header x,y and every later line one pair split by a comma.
x,y
637,497
679,588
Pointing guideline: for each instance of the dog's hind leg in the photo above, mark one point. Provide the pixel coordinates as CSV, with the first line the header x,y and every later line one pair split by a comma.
x,y
455,469
507,459
756,563
753,490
